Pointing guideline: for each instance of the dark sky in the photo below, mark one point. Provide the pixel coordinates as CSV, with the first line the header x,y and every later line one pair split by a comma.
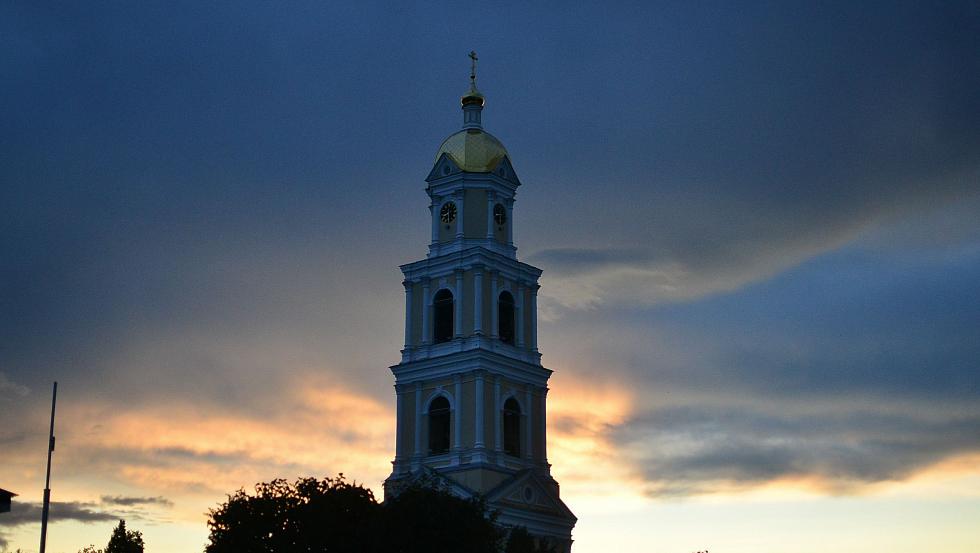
x,y
760,219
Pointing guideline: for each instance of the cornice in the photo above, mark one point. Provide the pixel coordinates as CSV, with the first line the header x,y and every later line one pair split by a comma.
x,y
470,258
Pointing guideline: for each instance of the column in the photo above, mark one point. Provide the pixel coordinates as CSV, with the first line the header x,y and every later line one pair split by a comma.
x,y
529,424
408,313
434,211
494,304
544,426
458,305
426,308
418,419
399,424
534,316
479,410
519,313
478,301
490,223
460,208
497,431
510,223
458,413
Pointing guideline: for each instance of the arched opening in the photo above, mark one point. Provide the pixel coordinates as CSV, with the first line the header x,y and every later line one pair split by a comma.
x,y
505,317
512,427
499,214
442,307
439,426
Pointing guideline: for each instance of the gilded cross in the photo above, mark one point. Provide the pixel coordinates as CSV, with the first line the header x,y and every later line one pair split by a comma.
x,y
473,67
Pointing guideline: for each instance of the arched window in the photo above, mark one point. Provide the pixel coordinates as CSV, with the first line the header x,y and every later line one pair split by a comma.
x,y
512,427
442,307
505,320
438,426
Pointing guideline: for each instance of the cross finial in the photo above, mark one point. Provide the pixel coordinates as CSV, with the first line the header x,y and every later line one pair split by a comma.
x,y
473,59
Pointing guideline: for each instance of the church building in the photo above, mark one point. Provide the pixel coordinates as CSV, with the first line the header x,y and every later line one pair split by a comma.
x,y
471,390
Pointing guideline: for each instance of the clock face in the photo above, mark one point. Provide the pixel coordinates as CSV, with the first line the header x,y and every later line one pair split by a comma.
x,y
499,214
448,212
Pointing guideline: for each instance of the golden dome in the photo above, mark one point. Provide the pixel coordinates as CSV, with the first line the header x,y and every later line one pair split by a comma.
x,y
473,150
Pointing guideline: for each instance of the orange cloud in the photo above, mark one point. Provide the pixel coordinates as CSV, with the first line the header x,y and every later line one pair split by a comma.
x,y
585,461
194,453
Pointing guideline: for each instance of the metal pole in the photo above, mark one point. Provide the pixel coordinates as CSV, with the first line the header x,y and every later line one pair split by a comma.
x,y
47,479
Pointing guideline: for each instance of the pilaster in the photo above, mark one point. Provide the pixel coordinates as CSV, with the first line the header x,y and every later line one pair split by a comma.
x,y
497,431
426,310
433,211
399,424
478,300
408,313
494,305
528,425
491,201
458,198
543,425
510,222
479,455
417,456
458,305
519,308
533,289
458,416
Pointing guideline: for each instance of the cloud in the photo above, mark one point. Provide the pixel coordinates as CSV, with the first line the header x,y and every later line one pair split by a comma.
x,y
858,368
580,416
30,513
9,387
705,449
606,440
754,175
199,451
666,260
136,501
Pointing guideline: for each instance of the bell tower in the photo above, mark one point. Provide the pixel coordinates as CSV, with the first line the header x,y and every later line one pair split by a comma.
x,y
471,390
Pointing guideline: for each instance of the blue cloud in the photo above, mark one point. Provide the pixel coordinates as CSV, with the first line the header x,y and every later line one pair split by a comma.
x,y
188,193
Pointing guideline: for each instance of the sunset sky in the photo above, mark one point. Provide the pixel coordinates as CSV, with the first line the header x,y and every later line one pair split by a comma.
x,y
759,225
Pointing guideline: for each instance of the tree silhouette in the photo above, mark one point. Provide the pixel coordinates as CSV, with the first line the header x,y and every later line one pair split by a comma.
x,y
309,515
520,541
425,519
335,516
121,541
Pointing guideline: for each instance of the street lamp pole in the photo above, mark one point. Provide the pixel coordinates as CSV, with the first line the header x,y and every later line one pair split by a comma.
x,y
47,479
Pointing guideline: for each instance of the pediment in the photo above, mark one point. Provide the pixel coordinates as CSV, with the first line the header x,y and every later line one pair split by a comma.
x,y
505,170
528,490
444,167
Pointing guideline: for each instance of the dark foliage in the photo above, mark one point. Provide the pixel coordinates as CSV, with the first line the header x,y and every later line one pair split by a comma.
x,y
124,541
423,519
520,541
309,515
335,516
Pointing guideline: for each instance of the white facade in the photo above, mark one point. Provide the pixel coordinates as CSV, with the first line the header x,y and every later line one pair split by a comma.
x,y
471,390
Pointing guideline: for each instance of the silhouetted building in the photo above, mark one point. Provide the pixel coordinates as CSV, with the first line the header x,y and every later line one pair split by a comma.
x,y
5,498
471,390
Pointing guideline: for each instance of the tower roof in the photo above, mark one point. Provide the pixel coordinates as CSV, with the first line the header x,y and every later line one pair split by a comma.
x,y
473,150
